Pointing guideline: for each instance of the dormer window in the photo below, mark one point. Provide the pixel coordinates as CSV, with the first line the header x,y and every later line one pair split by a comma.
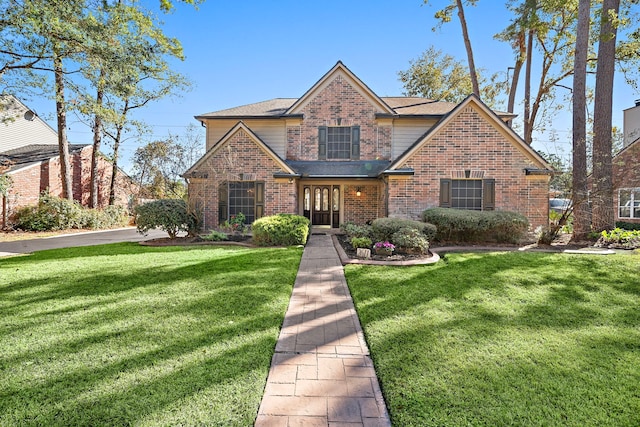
x,y
339,142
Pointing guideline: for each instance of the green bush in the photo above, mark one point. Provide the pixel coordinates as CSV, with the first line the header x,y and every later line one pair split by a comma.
x,y
361,242
170,215
54,213
628,225
476,226
281,230
619,238
410,240
215,236
384,228
351,229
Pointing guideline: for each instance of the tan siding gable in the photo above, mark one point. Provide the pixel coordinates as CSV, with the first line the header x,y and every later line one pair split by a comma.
x,y
406,132
271,132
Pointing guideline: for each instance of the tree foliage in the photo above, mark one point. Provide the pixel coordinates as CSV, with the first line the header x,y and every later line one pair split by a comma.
x,y
440,76
158,165
107,57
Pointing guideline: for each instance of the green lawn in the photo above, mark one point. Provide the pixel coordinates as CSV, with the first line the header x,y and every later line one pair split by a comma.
x,y
130,335
494,339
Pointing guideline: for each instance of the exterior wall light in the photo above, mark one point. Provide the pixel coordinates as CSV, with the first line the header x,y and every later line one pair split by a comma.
x,y
358,192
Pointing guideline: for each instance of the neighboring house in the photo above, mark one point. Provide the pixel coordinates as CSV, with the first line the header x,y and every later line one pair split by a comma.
x,y
29,156
626,180
19,126
631,123
342,153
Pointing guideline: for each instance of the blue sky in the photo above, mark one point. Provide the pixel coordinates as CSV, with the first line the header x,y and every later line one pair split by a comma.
x,y
245,51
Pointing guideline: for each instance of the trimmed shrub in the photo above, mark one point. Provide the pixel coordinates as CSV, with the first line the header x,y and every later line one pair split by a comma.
x,y
169,215
628,225
384,228
361,242
410,240
280,230
476,226
351,229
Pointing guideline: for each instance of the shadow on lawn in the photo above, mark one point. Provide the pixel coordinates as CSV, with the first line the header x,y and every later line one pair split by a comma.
x,y
501,339
144,342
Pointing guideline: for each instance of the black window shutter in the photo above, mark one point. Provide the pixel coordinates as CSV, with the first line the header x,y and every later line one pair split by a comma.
x,y
259,200
223,203
488,194
355,143
445,193
322,143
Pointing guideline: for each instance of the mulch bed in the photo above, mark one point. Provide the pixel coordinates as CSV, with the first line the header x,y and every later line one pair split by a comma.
x,y
351,252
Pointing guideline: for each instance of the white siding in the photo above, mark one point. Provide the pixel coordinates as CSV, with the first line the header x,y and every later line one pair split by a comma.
x,y
406,132
271,132
16,131
631,123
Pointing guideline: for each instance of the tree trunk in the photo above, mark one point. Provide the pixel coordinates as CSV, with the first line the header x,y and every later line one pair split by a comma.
x,y
61,114
516,72
114,167
581,220
467,45
97,141
603,208
528,128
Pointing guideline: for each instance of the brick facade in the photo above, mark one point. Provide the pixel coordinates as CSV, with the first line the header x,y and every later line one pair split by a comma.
x,y
339,104
240,158
29,182
469,142
626,174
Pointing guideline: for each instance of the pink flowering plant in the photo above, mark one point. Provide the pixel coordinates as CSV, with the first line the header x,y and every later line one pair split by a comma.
x,y
386,245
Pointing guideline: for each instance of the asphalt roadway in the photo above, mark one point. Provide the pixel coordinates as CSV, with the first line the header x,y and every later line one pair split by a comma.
x,y
89,238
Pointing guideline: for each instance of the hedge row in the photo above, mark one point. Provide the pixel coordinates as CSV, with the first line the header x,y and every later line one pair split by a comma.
x,y
456,225
55,213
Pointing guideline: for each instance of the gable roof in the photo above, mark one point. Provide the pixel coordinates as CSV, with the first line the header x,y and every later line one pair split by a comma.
x,y
190,173
475,102
270,108
627,148
356,83
33,154
402,106
20,126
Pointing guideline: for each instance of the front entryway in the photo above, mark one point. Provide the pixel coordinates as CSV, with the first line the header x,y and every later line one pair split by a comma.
x,y
322,204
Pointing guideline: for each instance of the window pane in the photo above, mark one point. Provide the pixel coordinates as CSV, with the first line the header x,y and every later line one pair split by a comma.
x,y
242,199
325,199
625,204
339,143
316,204
336,199
307,199
466,194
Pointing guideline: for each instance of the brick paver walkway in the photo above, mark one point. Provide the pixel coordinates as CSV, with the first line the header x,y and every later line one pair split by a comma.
x,y
321,373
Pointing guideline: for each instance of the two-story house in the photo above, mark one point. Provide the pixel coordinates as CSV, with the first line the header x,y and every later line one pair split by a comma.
x,y
342,153
626,173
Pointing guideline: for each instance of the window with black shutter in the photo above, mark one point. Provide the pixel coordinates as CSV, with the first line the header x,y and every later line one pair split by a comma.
x,y
470,194
339,142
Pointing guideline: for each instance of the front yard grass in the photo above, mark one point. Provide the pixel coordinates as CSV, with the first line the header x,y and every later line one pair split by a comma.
x,y
496,339
130,335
